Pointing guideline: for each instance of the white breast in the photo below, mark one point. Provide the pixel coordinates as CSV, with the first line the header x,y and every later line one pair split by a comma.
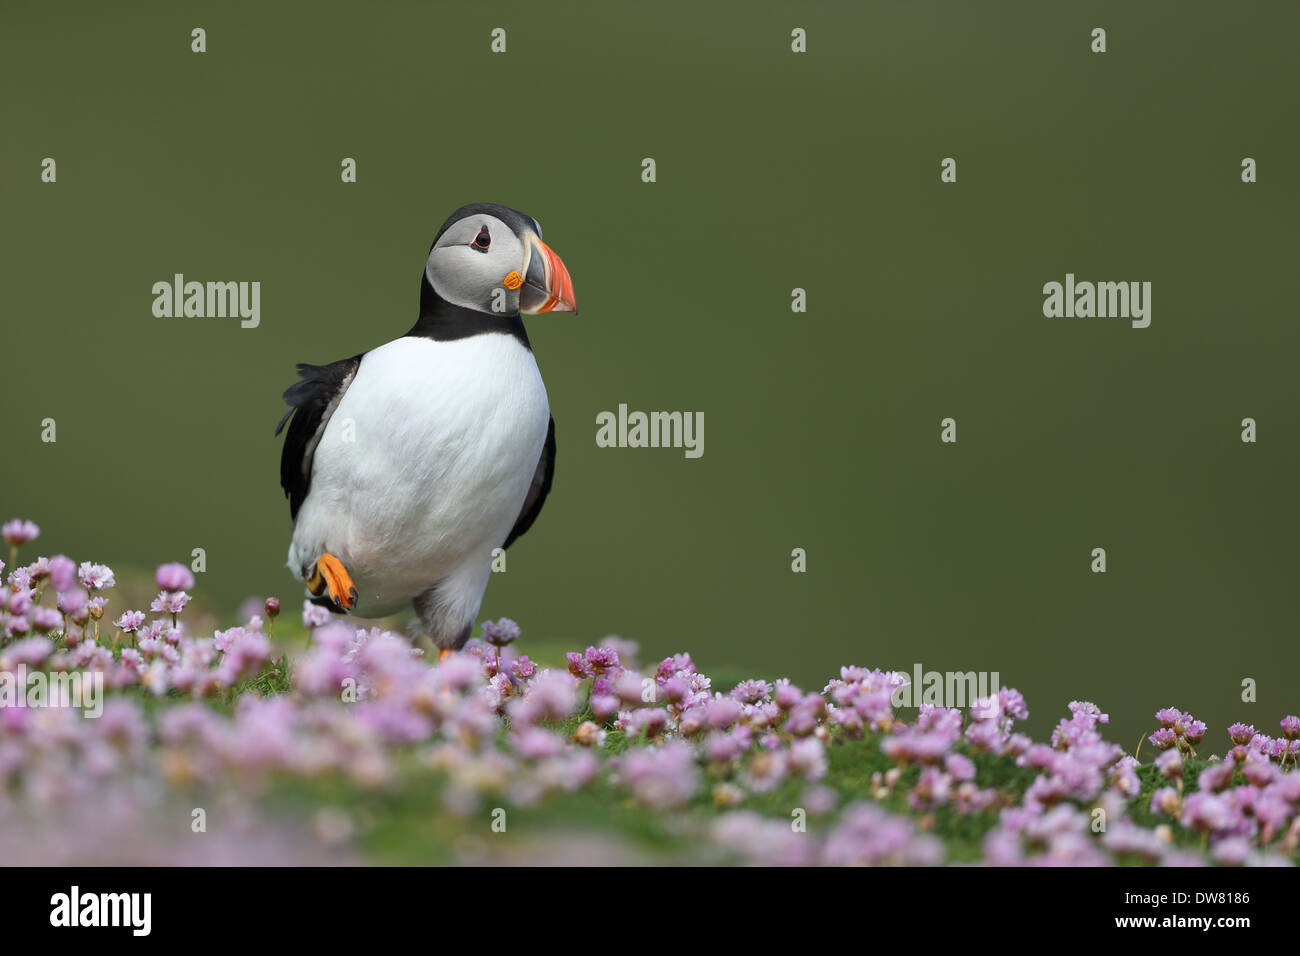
x,y
424,465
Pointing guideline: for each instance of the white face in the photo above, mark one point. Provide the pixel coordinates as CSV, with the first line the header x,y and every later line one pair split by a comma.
x,y
469,265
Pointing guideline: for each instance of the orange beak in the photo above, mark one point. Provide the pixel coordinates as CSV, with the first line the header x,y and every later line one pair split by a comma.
x,y
549,287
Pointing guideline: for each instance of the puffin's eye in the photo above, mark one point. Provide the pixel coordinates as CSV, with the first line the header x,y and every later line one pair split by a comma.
x,y
482,240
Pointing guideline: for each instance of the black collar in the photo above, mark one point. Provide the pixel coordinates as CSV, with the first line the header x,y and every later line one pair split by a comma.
x,y
445,322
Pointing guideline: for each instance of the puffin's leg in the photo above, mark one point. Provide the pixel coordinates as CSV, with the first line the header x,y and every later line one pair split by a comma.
x,y
440,623
328,574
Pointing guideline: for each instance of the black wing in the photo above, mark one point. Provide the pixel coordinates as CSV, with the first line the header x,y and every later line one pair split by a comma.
x,y
314,400
540,488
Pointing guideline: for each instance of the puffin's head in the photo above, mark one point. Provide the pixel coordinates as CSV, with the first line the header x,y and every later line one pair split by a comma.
x,y
491,258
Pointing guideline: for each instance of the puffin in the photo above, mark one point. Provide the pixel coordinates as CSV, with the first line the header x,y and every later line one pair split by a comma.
x,y
408,466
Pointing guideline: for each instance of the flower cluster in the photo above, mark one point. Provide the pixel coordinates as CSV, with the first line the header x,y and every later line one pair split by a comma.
x,y
1177,729
63,633
1243,803
752,768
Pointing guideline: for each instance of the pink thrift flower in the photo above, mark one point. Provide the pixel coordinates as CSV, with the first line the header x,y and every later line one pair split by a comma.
x,y
1290,727
1164,738
46,619
95,577
314,615
18,532
1170,765
63,573
1241,733
500,633
130,621
169,602
174,577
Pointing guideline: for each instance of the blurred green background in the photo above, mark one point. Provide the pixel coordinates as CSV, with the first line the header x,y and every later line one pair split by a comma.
x,y
775,171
